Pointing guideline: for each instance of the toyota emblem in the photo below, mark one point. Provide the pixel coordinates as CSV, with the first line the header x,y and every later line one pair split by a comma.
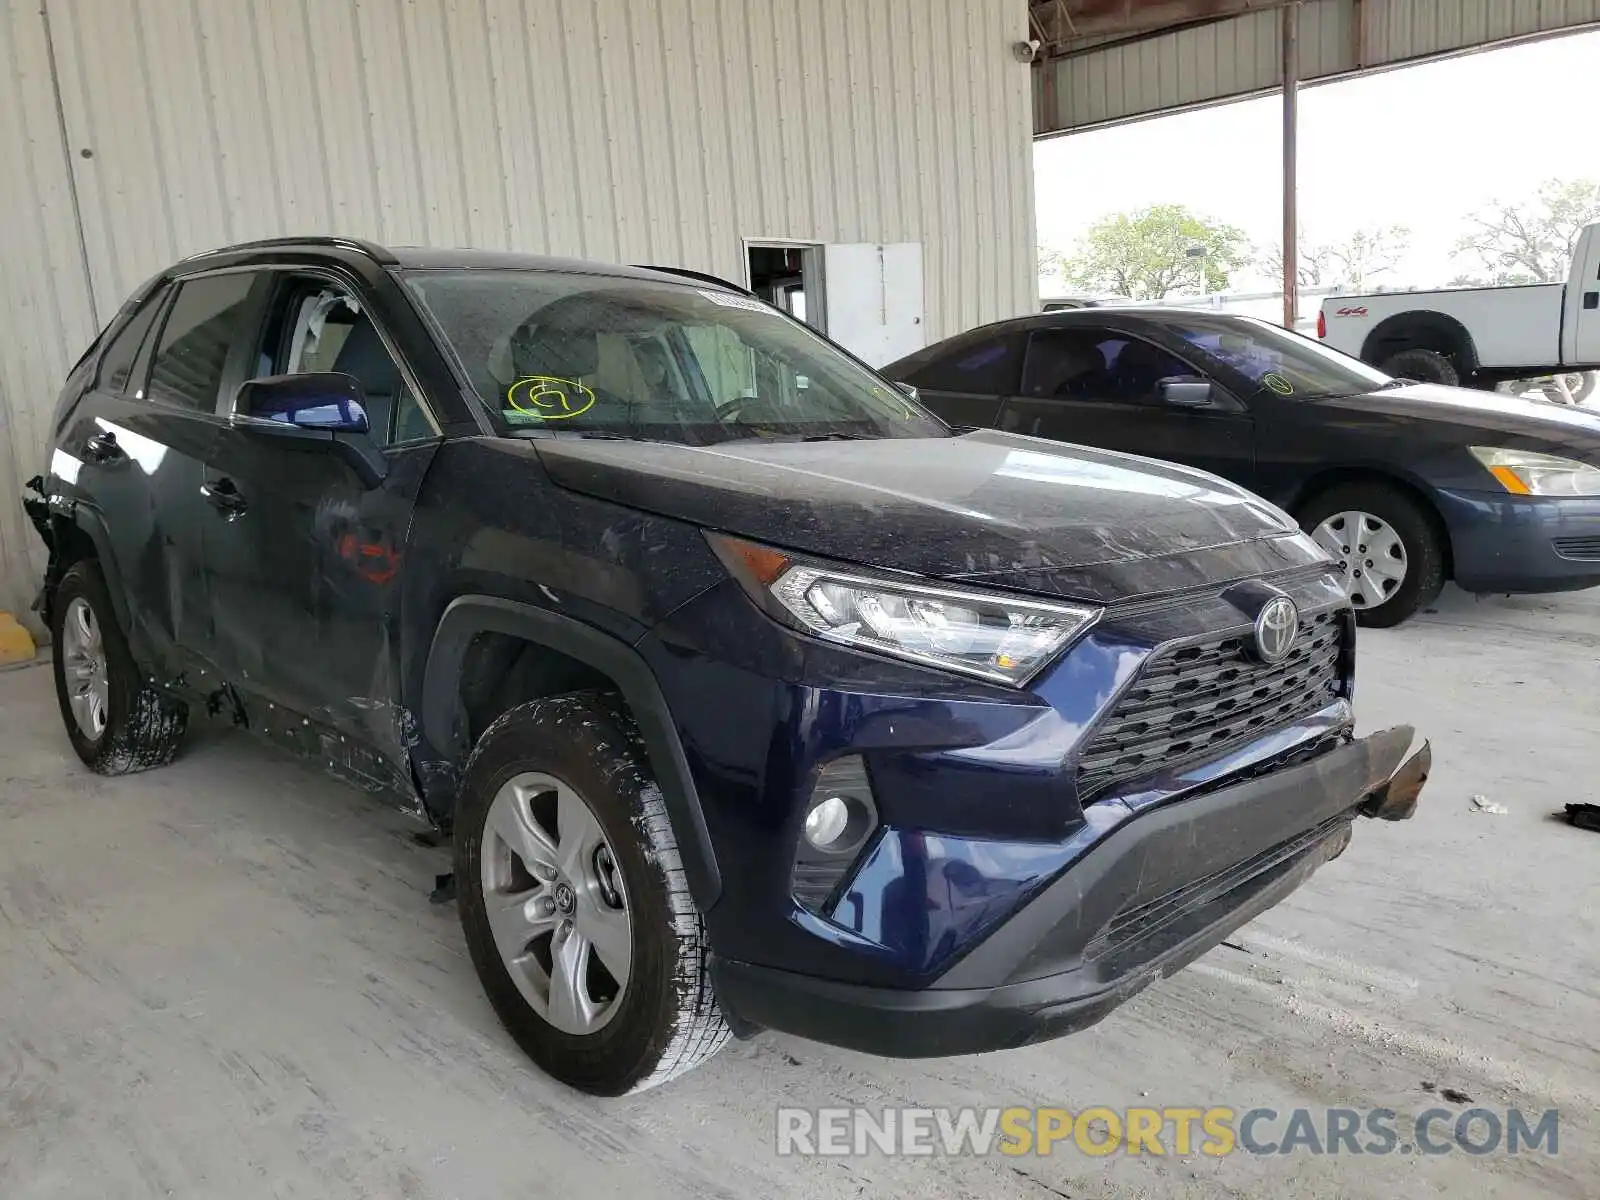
x,y
1276,626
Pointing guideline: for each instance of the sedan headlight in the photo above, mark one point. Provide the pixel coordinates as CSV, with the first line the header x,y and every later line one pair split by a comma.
x,y
1529,473
977,633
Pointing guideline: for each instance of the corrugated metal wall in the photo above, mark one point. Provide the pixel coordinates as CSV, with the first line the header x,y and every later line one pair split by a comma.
x,y
1240,56
657,131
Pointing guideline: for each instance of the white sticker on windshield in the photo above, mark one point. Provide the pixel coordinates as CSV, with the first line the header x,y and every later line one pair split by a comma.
x,y
729,300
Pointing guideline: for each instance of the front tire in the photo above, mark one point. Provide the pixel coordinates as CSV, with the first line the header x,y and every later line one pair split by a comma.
x,y
1387,545
574,904
118,723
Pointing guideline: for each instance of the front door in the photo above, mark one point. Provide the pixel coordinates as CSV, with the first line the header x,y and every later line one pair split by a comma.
x,y
1100,387
1583,302
305,553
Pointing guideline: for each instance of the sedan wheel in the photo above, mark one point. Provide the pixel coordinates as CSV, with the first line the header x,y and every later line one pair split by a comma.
x,y
84,668
555,903
1368,551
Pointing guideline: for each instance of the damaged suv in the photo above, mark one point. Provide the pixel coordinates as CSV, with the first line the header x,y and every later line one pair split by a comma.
x,y
751,694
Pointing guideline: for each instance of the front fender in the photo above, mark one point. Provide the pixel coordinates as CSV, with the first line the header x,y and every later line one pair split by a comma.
x,y
444,724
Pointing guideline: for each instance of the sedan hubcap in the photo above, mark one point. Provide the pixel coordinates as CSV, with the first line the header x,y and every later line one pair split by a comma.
x,y
555,903
83,659
1368,551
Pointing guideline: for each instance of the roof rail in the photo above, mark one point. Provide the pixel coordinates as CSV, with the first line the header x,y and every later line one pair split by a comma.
x,y
700,275
371,249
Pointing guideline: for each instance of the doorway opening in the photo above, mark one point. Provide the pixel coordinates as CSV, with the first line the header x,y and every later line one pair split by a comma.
x,y
788,275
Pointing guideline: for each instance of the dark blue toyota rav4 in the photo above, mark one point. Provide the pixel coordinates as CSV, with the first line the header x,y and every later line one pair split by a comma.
x,y
751,694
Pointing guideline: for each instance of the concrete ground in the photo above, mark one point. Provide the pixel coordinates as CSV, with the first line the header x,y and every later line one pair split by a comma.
x,y
224,979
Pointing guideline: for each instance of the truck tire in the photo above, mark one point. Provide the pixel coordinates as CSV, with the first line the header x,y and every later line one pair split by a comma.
x,y
117,721
1388,545
573,900
1580,384
1425,366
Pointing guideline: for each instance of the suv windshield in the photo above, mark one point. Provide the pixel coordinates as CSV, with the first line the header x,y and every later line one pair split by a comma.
x,y
609,355
1274,359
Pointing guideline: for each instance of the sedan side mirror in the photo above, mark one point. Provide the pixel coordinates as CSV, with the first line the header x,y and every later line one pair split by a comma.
x,y
327,400
1186,393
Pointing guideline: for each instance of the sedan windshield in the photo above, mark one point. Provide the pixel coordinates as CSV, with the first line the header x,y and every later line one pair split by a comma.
x,y
614,356
1276,360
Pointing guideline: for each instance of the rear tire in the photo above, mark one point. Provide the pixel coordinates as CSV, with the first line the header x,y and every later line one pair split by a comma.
x,y
1425,366
1330,517
117,721
660,1018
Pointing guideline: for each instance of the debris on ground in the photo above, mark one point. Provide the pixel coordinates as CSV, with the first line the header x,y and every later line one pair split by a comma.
x,y
444,889
1584,816
1484,805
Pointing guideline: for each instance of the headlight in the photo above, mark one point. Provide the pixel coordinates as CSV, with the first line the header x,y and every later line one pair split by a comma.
x,y
977,633
1529,473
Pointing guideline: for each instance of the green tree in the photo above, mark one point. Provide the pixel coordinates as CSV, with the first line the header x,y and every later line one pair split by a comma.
x,y
1533,242
1153,252
1051,260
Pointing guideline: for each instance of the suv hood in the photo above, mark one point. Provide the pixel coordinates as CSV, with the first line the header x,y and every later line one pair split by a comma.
x,y
1015,511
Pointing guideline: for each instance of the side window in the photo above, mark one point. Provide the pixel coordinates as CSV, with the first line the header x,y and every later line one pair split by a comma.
x,y
200,329
316,326
1068,363
116,364
1097,364
987,367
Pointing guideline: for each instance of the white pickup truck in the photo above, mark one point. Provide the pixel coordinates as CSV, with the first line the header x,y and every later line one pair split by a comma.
x,y
1477,337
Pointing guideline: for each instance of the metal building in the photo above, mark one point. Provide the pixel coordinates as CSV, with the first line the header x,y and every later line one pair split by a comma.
x,y
868,159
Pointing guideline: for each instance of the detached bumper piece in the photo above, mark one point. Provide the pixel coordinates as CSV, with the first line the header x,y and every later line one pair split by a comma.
x,y
1153,895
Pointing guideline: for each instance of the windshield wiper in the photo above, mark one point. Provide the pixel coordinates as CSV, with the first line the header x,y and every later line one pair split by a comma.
x,y
835,436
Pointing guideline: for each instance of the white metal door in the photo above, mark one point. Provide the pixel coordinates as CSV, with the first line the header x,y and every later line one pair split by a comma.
x,y
1581,346
874,299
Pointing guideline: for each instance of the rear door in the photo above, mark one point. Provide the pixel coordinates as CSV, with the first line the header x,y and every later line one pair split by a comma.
x,y
305,555
1102,386
966,381
136,442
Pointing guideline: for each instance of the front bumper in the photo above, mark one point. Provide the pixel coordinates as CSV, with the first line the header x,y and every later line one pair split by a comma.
x,y
1503,543
1151,896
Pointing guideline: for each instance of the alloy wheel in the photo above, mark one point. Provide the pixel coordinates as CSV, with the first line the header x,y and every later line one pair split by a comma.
x,y
556,903
1368,551
83,655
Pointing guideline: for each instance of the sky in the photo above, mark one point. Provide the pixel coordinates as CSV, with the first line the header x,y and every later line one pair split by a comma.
x,y
1506,121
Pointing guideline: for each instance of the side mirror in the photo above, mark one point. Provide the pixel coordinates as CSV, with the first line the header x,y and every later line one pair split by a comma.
x,y
328,400
316,411
910,392
1186,393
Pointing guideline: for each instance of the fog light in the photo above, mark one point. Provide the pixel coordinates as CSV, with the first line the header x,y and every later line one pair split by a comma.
x,y
840,819
826,823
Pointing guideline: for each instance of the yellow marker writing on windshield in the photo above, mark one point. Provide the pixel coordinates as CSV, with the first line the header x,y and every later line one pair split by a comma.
x,y
549,397
1278,383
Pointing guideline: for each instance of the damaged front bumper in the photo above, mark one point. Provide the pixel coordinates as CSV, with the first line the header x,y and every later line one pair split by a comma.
x,y
1154,894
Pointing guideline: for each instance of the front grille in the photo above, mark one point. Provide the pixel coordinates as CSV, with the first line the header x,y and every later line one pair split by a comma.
x,y
1578,547
1199,701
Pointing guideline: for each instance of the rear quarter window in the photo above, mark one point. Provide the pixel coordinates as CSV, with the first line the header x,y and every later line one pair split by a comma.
x,y
988,366
116,364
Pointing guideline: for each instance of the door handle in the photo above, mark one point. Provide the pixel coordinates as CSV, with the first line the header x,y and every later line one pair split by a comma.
x,y
103,448
223,496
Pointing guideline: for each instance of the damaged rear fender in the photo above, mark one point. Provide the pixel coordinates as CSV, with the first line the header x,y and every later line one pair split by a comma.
x,y
72,531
